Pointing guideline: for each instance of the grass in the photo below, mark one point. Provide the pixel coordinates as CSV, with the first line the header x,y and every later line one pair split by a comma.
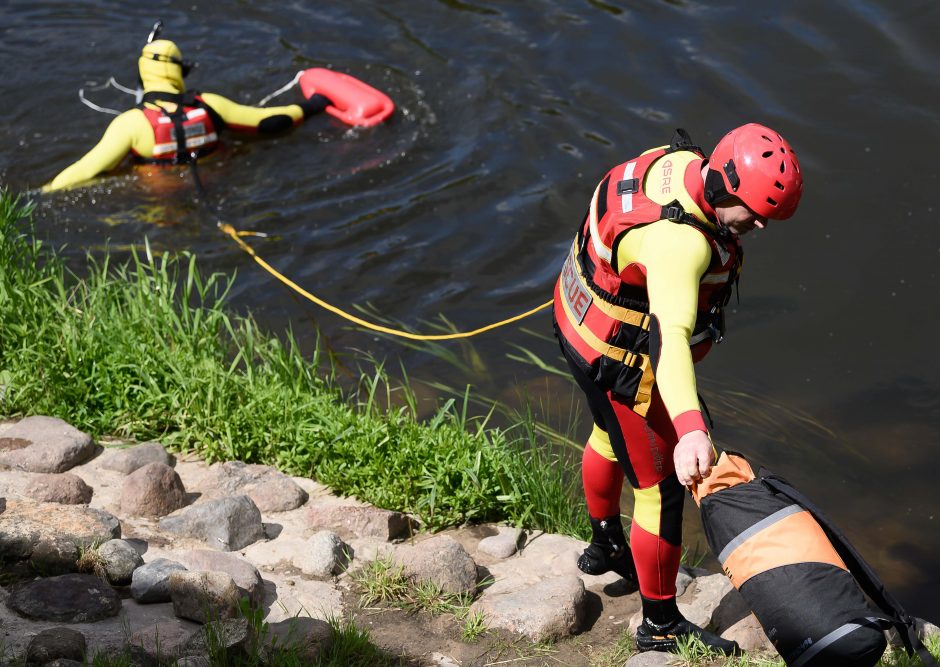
x,y
148,349
616,654
381,581
90,561
895,657
352,646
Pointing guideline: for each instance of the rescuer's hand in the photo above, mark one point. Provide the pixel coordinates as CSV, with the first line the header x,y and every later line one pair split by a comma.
x,y
693,457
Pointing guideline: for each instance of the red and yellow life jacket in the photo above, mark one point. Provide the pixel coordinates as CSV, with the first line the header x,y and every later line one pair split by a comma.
x,y
180,134
602,310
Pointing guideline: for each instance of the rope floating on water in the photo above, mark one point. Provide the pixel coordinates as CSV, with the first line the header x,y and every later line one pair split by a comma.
x,y
237,237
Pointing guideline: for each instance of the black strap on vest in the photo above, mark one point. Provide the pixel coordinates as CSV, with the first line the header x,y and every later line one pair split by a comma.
x,y
178,117
681,141
864,575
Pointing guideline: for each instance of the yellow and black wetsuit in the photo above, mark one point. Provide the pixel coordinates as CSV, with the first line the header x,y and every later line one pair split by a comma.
x,y
132,132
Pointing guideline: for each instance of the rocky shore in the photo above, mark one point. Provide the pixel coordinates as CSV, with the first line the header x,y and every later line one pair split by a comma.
x,y
129,550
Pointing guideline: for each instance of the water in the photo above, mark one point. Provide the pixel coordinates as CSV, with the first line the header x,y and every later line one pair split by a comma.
x,y
465,203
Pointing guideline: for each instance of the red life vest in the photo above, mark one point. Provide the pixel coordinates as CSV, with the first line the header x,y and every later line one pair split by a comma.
x,y
191,121
602,311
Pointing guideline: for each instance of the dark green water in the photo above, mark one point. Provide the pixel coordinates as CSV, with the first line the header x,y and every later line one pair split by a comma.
x,y
509,112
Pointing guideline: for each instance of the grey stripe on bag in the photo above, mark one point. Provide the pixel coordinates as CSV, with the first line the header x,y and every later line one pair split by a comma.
x,y
756,528
833,636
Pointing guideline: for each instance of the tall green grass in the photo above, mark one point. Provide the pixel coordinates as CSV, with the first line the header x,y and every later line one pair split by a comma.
x,y
148,349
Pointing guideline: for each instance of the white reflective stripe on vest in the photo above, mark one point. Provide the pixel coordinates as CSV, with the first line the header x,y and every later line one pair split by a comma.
x,y
626,200
602,251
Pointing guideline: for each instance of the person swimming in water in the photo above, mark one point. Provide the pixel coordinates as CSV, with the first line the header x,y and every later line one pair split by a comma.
x,y
172,126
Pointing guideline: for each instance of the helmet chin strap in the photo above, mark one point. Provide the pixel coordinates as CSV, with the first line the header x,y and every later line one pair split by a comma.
x,y
715,190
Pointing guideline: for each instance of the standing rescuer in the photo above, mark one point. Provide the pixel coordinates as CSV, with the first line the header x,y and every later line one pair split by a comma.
x,y
638,301
172,126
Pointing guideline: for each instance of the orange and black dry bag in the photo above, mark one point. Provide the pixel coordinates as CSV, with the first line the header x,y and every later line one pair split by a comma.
x,y
796,571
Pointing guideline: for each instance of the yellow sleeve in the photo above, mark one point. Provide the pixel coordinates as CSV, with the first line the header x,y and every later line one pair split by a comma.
x,y
106,155
244,118
675,257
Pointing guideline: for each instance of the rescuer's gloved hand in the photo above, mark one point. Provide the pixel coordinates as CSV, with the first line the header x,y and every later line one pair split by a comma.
x,y
315,104
693,457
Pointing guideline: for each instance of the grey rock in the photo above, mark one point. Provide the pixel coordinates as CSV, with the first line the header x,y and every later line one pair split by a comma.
x,y
64,488
357,521
48,534
55,554
65,662
325,555
731,610
683,580
442,560
710,592
749,634
55,644
44,444
560,611
698,615
439,659
926,629
120,561
651,659
227,524
193,661
151,581
68,598
139,657
204,596
130,459
502,545
130,655
244,574
235,635
162,639
311,636
153,490
270,489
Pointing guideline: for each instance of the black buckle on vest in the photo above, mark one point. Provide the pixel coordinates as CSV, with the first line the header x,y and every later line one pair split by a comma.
x,y
732,175
673,212
628,186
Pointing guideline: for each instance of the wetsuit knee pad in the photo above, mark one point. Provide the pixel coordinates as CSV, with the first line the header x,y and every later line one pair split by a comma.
x,y
599,441
658,509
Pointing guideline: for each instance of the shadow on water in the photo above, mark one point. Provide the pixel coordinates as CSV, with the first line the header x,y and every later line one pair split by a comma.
x,y
465,203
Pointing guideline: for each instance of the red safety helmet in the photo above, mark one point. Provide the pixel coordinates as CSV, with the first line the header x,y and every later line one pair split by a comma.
x,y
758,166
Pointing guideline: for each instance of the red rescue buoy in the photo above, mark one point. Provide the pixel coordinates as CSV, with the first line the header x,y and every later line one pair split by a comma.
x,y
354,102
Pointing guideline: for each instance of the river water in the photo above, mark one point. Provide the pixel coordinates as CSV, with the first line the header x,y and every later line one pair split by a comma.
x,y
465,203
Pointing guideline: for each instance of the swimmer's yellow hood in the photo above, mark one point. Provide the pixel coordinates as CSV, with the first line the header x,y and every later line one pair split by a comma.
x,y
161,67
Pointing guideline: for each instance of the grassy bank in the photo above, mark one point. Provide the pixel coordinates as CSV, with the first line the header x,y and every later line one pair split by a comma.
x,y
147,349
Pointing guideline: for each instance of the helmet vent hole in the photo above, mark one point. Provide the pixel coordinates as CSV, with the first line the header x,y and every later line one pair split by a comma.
x,y
766,138
767,153
782,167
771,201
779,185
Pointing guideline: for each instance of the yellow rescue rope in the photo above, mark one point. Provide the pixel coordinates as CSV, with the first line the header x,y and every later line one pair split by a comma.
x,y
236,236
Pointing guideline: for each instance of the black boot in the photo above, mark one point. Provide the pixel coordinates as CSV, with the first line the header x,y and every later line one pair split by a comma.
x,y
608,550
663,626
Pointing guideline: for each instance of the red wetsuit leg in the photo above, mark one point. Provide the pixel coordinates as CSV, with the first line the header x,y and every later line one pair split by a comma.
x,y
603,483
649,444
